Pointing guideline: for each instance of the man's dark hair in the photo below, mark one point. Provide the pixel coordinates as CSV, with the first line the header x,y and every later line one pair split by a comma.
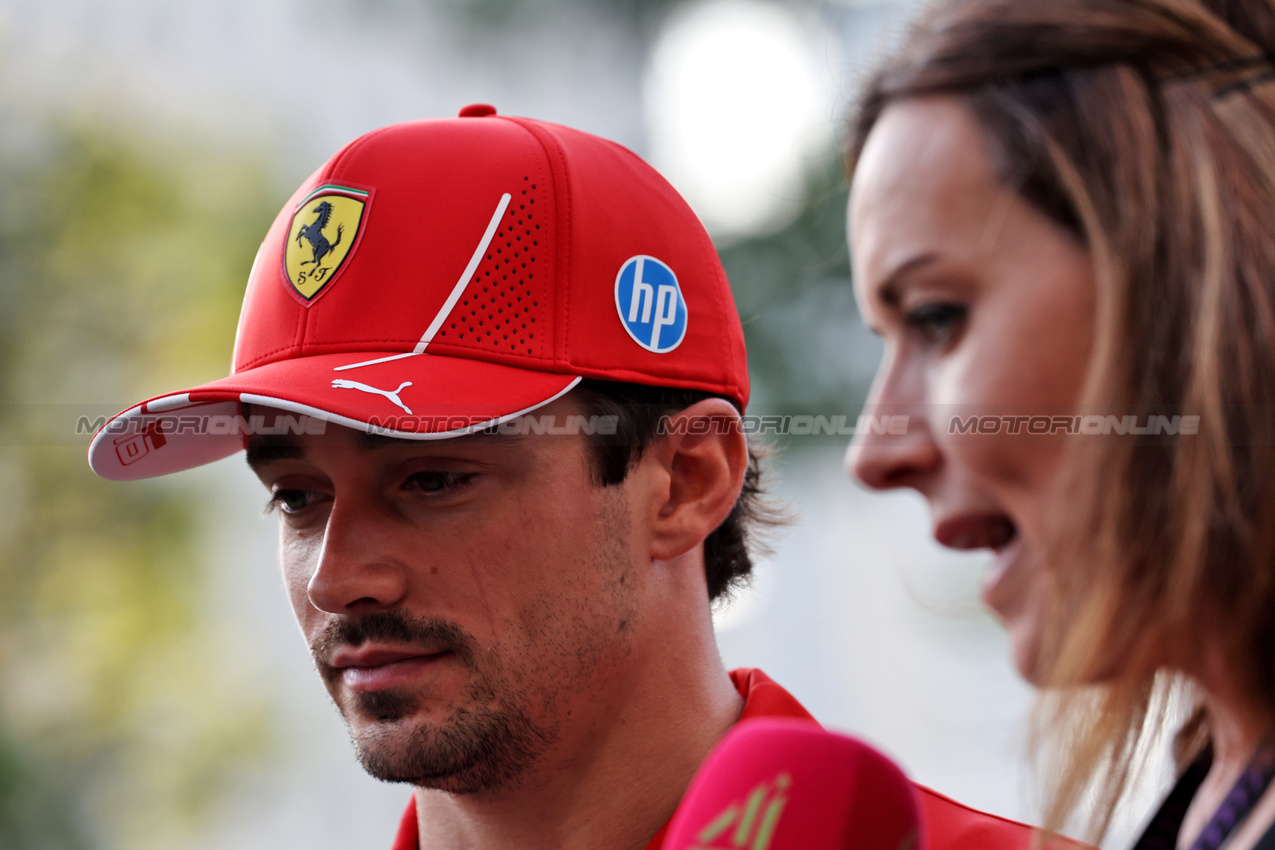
x,y
639,409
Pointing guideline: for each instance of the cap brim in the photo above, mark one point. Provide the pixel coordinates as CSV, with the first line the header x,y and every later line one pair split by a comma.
x,y
416,397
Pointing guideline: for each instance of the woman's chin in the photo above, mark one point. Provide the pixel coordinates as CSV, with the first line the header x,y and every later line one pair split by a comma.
x,y
1024,648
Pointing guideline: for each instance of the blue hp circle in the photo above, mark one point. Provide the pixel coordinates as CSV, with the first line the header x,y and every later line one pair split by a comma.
x,y
650,304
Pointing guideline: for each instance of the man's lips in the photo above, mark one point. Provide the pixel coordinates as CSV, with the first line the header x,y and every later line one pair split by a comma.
x,y
377,668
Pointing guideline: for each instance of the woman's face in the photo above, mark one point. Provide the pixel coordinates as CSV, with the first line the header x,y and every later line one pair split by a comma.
x,y
987,308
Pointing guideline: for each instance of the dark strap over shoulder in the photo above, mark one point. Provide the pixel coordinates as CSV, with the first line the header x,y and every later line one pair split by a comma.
x,y
1267,841
1162,832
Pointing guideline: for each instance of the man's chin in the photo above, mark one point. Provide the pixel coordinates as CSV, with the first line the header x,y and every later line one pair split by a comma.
x,y
379,707
470,752
391,761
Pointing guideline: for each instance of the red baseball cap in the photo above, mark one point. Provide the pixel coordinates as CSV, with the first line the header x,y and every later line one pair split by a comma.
x,y
437,278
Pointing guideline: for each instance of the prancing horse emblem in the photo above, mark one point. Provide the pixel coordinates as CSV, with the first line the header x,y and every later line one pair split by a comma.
x,y
392,395
313,233
324,231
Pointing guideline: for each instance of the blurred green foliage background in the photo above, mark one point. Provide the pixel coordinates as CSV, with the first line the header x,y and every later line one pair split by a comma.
x,y
117,720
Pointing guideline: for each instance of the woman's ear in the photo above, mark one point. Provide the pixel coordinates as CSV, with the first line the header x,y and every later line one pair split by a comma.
x,y
704,454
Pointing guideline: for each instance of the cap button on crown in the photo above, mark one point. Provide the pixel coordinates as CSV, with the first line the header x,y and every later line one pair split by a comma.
x,y
477,110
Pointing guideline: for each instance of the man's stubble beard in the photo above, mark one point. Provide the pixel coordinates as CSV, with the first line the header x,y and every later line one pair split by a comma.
x,y
487,744
486,741
490,741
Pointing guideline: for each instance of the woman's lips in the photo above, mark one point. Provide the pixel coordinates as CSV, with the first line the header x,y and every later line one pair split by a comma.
x,y
998,583
990,530
976,531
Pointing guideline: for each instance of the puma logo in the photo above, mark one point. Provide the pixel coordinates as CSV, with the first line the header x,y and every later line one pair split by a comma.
x,y
392,395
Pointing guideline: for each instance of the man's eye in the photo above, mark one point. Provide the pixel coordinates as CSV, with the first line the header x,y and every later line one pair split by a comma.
x,y
438,482
291,501
937,322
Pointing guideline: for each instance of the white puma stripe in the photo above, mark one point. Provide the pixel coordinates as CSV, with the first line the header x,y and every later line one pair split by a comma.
x,y
392,395
456,292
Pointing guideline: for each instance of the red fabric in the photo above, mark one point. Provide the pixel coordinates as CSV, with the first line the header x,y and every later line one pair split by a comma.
x,y
408,837
949,825
519,252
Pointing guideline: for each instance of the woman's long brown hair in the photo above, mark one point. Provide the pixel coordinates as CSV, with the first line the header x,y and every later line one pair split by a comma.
x,y
1147,129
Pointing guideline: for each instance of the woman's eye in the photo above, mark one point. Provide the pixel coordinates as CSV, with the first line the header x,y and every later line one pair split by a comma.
x,y
291,501
438,482
937,322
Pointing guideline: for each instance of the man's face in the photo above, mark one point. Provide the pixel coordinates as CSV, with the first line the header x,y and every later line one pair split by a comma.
x,y
468,601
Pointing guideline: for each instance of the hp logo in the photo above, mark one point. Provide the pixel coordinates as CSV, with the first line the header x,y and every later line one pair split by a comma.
x,y
650,304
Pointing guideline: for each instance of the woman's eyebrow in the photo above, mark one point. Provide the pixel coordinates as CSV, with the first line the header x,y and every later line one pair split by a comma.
x,y
888,290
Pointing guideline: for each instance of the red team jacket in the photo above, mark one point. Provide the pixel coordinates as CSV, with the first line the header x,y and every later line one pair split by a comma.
x,y
947,824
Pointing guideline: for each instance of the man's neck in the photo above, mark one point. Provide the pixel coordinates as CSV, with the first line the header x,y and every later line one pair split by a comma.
x,y
614,785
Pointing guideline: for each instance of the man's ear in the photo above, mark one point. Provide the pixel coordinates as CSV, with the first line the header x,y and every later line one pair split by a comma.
x,y
704,454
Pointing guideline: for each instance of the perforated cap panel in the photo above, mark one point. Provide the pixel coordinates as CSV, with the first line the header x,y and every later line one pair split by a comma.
x,y
507,303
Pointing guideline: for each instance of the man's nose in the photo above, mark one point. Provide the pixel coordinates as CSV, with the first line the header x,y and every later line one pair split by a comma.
x,y
358,569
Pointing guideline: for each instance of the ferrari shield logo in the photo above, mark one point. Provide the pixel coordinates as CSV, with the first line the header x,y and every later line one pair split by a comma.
x,y
323,232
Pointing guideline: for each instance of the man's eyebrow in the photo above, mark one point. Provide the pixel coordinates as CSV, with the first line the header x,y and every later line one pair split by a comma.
x,y
367,440
266,448
370,441
262,450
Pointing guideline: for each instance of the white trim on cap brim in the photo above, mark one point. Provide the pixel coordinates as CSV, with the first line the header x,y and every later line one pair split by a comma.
x,y
181,401
338,419
216,446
